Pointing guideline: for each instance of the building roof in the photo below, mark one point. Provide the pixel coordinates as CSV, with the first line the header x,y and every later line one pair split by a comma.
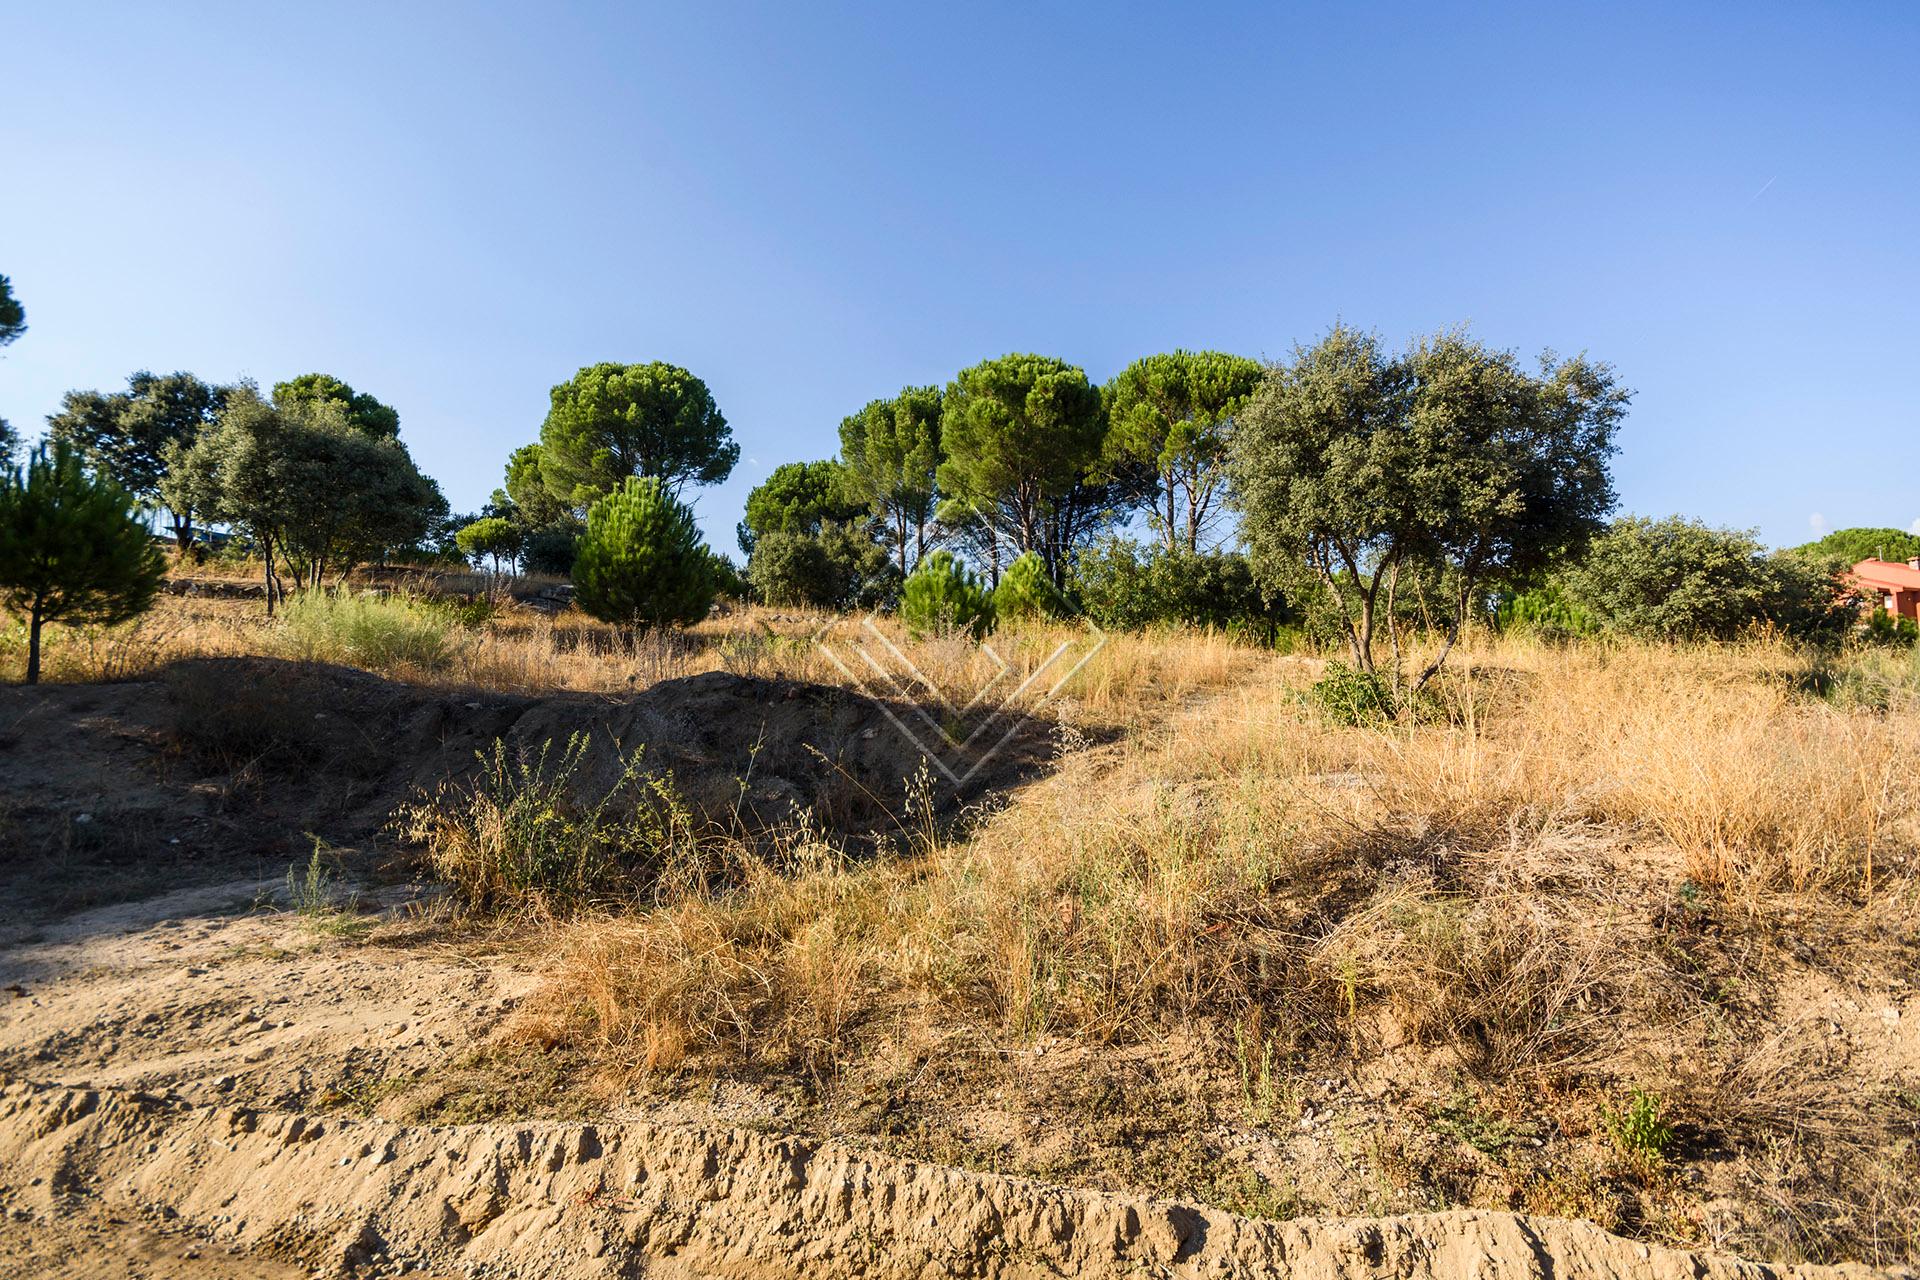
x,y
1888,573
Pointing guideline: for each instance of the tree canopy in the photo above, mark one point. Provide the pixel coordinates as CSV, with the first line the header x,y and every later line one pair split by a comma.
x,y
127,434
1855,545
891,451
1354,465
71,551
13,316
613,421
492,536
362,412
1173,412
1021,435
797,497
305,484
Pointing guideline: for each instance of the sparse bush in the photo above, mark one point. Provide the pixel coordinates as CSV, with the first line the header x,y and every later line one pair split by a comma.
x,y
379,633
524,830
1352,697
943,597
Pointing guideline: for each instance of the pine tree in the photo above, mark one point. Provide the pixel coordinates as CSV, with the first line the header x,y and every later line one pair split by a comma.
x,y
71,550
641,563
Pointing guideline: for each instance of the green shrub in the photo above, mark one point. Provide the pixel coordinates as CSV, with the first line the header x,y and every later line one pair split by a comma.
x,y
550,551
641,563
1678,579
1353,697
1545,611
836,566
792,569
1025,591
1885,629
1125,587
380,633
728,581
943,597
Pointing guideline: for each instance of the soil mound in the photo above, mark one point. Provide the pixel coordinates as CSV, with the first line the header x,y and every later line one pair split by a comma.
x,y
367,1197
227,768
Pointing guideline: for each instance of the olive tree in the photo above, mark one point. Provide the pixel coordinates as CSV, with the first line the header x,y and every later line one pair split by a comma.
x,y
1353,466
71,549
127,434
315,493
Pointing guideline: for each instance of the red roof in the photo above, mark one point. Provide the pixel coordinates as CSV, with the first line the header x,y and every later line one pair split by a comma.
x,y
1888,573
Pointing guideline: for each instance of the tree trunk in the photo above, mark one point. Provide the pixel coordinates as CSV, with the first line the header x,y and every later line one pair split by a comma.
x,y
1453,634
1393,624
266,546
36,620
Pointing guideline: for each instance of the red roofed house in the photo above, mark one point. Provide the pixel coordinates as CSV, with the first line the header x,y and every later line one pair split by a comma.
x,y
1893,587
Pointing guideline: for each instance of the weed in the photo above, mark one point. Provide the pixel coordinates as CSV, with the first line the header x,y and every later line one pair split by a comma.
x,y
312,893
1266,1096
1638,1128
527,828
1463,1118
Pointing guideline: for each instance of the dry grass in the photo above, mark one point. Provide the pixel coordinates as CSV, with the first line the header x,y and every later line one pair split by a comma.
x,y
1560,884
1601,869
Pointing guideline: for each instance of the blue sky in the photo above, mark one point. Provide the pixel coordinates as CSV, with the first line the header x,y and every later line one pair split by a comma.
x,y
454,207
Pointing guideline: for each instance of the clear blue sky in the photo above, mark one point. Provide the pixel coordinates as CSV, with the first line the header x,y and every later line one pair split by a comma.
x,y
453,207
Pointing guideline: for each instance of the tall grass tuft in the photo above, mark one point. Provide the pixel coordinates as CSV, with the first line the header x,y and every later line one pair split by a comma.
x,y
526,829
391,634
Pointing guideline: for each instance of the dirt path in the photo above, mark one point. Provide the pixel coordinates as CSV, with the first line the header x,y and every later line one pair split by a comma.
x,y
213,993
209,994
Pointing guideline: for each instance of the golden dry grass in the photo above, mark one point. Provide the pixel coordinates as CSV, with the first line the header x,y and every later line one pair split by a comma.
x,y
1595,867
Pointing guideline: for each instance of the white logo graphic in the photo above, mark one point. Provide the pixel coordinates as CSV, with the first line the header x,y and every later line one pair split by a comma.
x,y
958,737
